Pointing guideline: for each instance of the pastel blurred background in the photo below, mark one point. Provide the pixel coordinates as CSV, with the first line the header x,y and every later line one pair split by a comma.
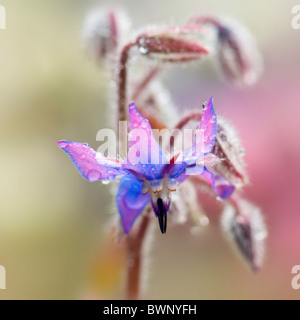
x,y
53,239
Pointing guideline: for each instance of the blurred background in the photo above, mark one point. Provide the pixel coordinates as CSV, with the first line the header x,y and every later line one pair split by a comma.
x,y
53,238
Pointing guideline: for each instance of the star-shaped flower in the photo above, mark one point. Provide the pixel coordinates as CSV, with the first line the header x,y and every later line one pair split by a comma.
x,y
147,175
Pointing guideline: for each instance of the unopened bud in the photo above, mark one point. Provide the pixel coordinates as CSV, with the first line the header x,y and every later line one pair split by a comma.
x,y
237,54
239,58
170,47
103,31
231,154
245,227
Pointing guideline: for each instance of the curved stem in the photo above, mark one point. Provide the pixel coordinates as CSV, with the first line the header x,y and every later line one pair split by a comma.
x,y
182,123
201,20
146,80
195,116
122,82
114,30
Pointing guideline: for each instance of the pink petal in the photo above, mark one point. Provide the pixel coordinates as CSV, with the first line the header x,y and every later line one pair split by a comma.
x,y
208,124
206,136
91,165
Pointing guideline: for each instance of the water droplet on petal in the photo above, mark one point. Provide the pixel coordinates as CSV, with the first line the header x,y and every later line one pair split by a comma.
x,y
82,156
105,182
63,144
93,175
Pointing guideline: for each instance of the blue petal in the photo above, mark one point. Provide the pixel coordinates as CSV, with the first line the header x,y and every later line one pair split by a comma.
x,y
130,201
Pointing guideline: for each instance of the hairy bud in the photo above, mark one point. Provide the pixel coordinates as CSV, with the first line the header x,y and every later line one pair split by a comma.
x,y
103,31
170,47
238,57
230,152
244,226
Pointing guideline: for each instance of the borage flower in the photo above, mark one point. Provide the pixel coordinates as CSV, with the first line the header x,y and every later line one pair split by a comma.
x,y
147,175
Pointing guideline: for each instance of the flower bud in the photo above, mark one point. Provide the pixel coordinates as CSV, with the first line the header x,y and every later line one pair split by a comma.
x,y
230,152
170,47
237,55
245,228
103,31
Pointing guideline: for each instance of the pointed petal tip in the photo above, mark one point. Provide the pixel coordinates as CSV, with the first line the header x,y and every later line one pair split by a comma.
x,y
209,105
132,108
134,114
126,230
63,143
132,105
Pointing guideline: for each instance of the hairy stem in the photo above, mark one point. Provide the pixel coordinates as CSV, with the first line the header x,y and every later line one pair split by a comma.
x,y
122,82
135,246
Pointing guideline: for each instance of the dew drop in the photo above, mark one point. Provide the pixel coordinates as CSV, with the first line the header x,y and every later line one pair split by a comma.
x,y
143,49
105,182
82,156
93,175
63,144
